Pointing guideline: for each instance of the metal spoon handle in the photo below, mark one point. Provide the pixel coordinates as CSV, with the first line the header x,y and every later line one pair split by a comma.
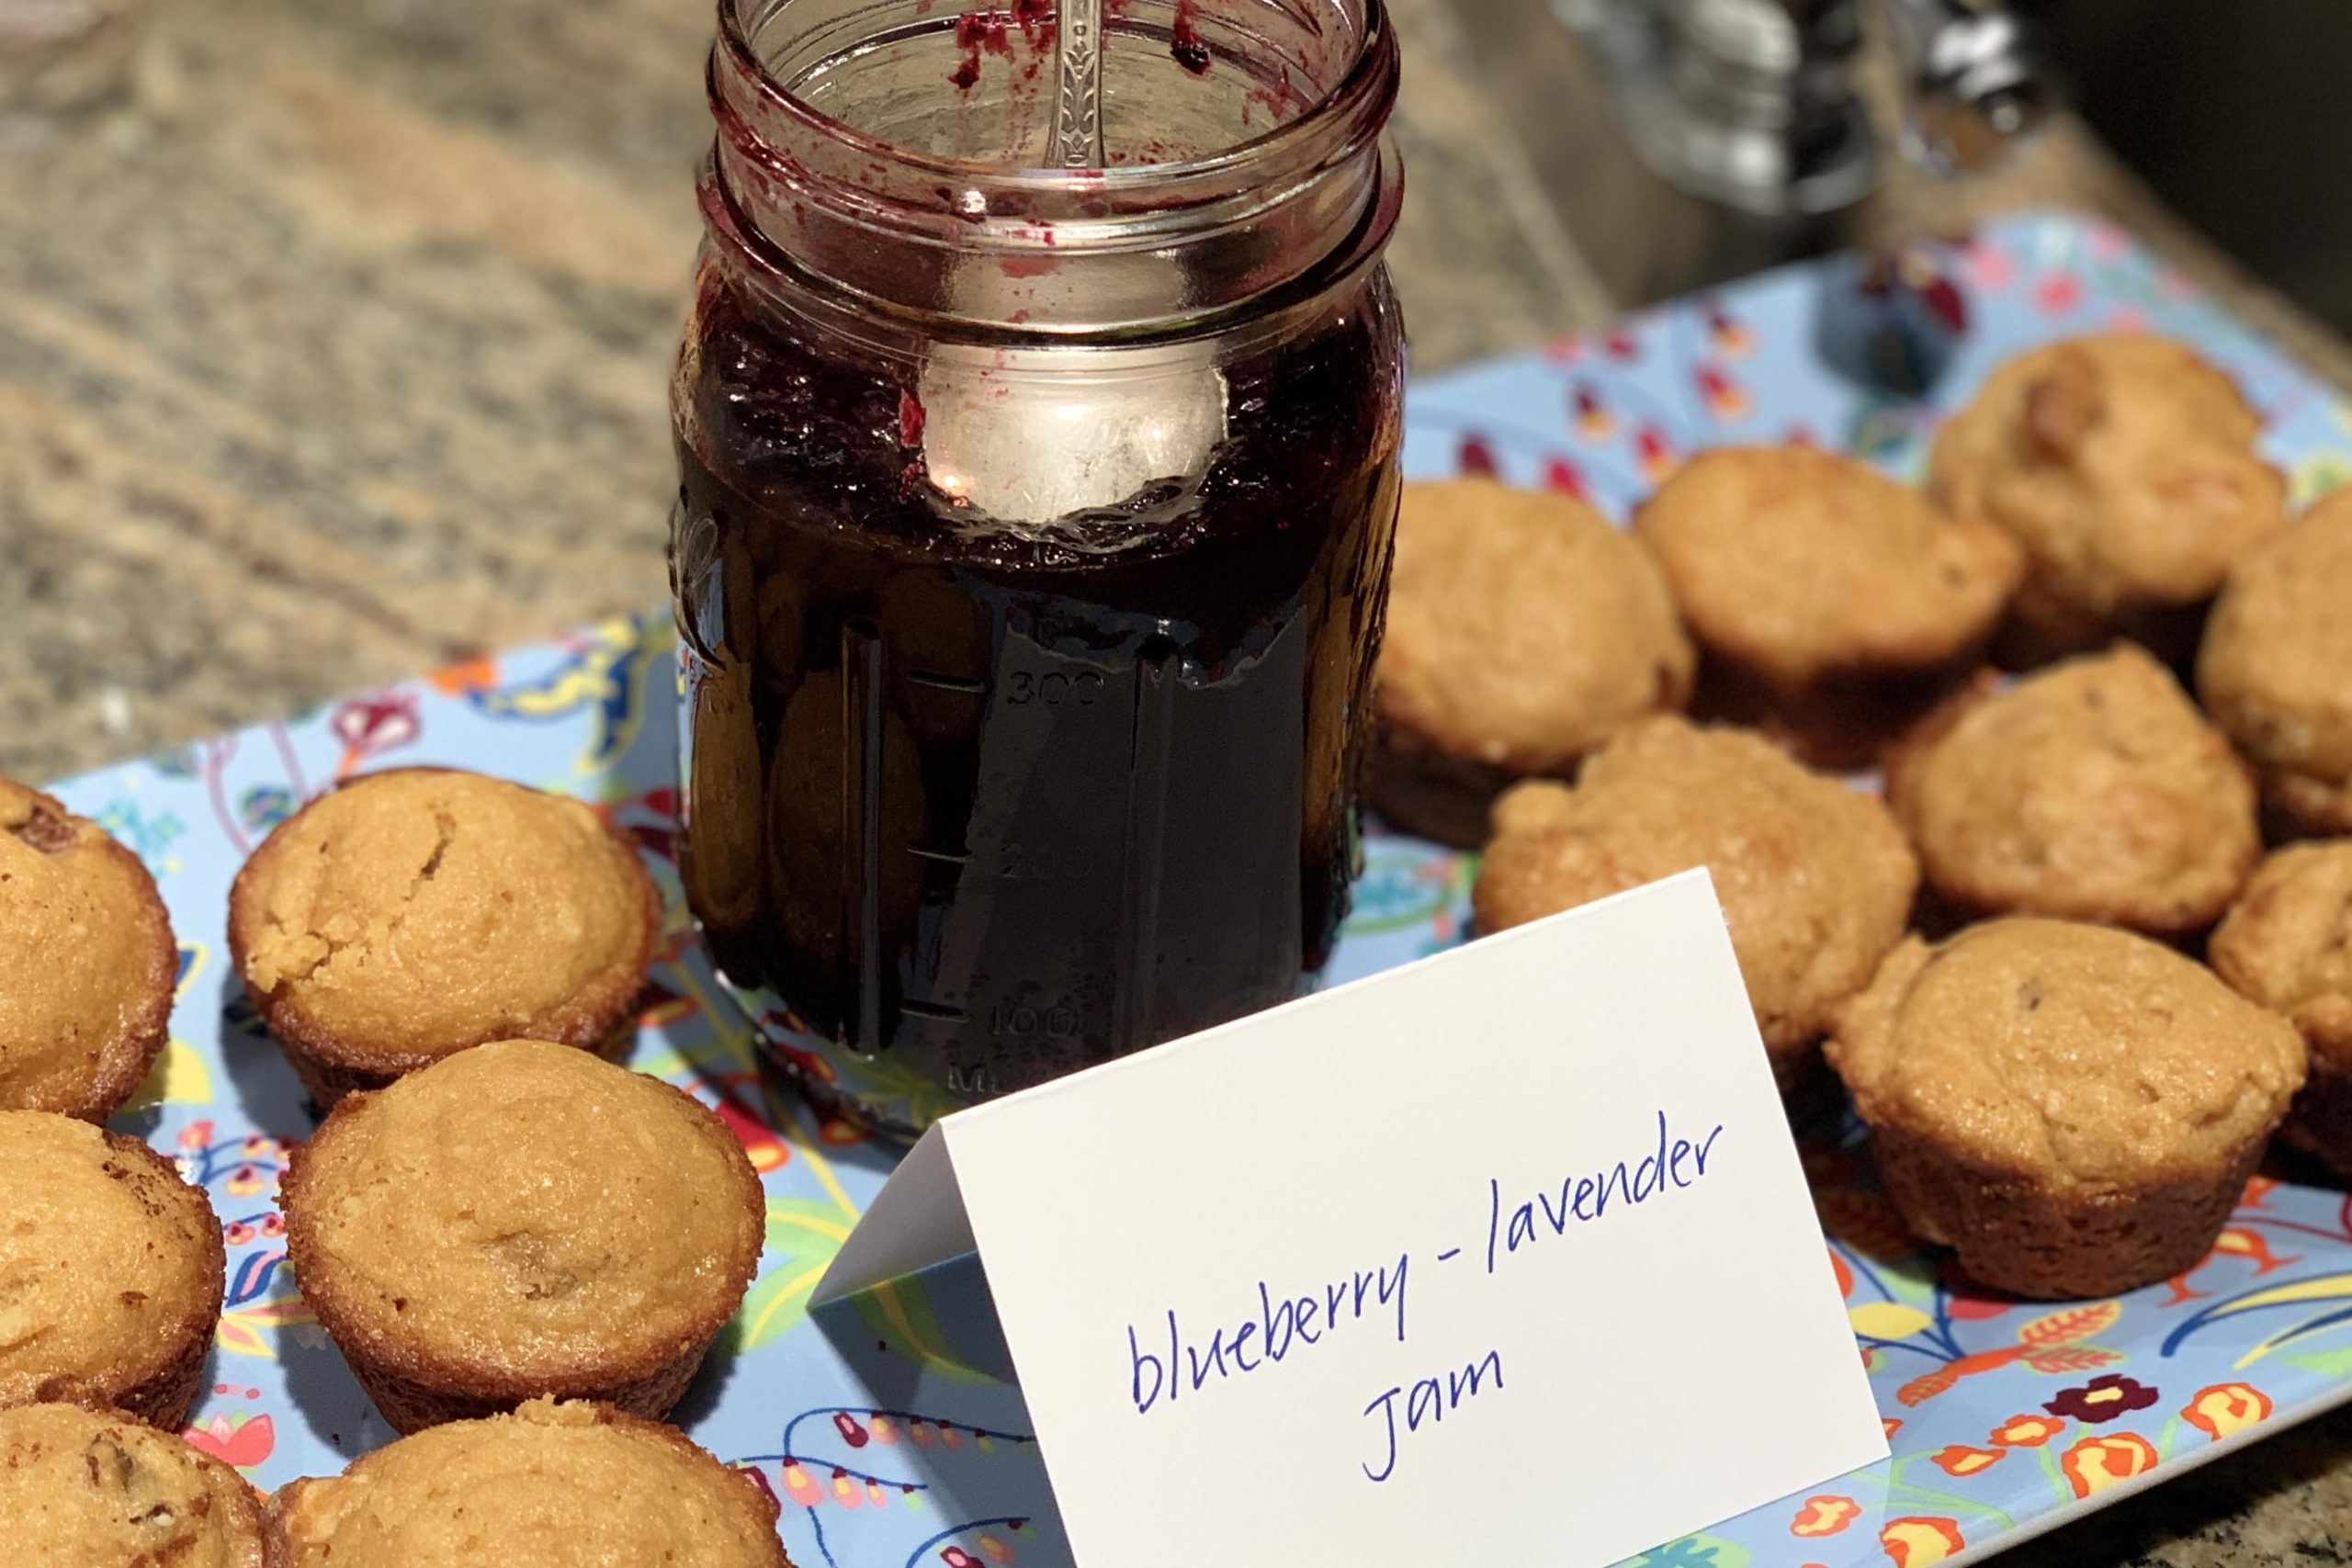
x,y
1078,103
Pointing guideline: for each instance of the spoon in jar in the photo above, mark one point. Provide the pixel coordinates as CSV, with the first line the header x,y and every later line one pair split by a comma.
x,y
1077,98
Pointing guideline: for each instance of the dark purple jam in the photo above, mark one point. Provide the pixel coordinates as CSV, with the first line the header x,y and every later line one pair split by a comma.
x,y
1184,44
998,807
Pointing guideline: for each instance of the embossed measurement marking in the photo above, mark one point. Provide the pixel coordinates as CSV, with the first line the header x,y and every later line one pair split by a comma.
x,y
1054,689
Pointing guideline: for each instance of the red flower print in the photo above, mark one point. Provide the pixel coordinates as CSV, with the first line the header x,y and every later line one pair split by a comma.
x,y
1961,1460
1915,1542
1988,267
2103,1399
1969,1302
2226,1408
240,1447
1594,420
368,726
2097,1463
2025,1432
1725,398
477,675
1654,452
2059,293
1825,1515
1974,1309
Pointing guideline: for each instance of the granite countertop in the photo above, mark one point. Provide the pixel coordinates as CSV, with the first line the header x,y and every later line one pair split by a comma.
x,y
339,347
333,347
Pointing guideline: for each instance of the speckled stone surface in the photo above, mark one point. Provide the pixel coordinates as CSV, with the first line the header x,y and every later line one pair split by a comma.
x,y
2286,1502
333,346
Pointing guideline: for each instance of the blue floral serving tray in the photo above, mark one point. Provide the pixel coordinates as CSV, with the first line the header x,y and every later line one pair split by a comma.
x,y
884,1448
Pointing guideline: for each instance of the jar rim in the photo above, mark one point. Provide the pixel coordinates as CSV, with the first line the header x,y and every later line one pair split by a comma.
x,y
1147,247
1365,92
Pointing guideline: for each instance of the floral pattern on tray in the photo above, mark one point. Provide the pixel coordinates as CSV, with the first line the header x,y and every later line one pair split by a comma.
x,y
885,1446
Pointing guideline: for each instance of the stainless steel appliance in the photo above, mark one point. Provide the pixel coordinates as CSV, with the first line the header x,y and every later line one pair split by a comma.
x,y
1691,140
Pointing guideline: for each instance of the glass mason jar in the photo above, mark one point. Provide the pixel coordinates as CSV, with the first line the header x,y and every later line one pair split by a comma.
x,y
1033,544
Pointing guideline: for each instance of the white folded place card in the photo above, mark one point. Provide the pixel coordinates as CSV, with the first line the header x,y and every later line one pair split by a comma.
x,y
1453,1230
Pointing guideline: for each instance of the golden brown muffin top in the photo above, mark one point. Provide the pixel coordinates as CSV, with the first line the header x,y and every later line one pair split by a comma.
x,y
85,986
1523,629
569,1485
2286,943
413,913
2093,790
2065,1054
520,1215
2275,665
1814,880
110,1263
2125,466
82,1489
1797,563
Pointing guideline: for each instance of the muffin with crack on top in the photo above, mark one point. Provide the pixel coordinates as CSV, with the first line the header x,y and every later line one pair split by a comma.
x,y
2128,468
414,913
2092,790
1814,879
2075,1108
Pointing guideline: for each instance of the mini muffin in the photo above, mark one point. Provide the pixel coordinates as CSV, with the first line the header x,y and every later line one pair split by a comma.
x,y
552,1485
110,1271
2127,468
85,991
84,1489
414,913
1814,879
1833,604
1523,631
2091,791
2288,944
2075,1108
2276,666
521,1219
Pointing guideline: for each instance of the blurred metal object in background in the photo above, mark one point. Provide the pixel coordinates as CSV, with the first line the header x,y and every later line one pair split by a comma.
x,y
59,56
1973,83
1750,139
1741,102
